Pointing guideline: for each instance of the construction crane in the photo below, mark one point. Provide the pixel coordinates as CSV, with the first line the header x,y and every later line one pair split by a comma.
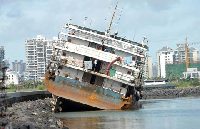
x,y
187,52
187,60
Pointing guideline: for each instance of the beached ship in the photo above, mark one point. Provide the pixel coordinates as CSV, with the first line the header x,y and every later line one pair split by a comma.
x,y
96,69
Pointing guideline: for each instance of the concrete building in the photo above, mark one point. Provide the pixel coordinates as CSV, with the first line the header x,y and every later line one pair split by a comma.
x,y
12,77
2,53
18,66
164,56
155,70
179,54
38,52
49,49
148,68
191,73
161,66
194,55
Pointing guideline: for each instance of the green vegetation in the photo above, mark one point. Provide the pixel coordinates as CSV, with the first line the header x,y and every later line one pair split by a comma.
x,y
26,86
186,83
40,87
174,71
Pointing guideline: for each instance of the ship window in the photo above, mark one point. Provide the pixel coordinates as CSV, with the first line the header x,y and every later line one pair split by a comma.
x,y
124,85
92,45
99,47
99,81
96,66
69,40
96,80
64,53
86,77
133,58
129,72
86,58
92,80
139,58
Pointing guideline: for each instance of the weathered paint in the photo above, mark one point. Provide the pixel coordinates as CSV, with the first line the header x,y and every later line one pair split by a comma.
x,y
92,95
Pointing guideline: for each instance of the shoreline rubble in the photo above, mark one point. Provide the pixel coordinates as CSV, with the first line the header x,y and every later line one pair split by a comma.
x,y
158,93
31,115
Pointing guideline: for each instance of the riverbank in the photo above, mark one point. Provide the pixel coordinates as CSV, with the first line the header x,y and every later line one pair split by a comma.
x,y
37,114
171,93
31,115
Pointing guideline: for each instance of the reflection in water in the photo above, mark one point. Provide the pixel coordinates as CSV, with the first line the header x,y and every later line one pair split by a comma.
x,y
100,120
181,113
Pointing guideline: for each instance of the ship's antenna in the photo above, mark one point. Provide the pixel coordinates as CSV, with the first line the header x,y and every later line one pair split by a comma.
x,y
110,25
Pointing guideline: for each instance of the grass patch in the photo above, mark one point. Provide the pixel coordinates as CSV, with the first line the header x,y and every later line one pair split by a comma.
x,y
14,88
40,87
187,83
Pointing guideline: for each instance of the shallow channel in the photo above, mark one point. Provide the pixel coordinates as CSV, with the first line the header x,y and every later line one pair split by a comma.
x,y
180,113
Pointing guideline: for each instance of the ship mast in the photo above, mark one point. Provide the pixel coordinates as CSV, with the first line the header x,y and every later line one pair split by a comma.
x,y
113,16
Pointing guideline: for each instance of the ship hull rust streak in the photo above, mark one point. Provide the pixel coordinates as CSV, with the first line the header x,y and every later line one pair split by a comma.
x,y
83,96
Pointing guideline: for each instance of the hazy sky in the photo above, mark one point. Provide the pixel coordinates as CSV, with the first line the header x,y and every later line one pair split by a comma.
x,y
163,22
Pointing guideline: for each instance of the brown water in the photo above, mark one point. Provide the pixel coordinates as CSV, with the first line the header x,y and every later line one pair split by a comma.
x,y
182,113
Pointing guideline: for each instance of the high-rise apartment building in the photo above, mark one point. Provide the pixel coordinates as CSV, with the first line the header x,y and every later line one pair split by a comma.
x,y
38,52
2,53
148,73
18,66
167,56
164,56
194,54
180,54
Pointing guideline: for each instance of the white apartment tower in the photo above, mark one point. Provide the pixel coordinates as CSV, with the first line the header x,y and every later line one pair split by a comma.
x,y
179,54
38,52
194,53
148,72
164,56
49,49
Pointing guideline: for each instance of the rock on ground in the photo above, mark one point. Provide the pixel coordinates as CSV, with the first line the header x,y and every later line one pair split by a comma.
x,y
171,93
31,115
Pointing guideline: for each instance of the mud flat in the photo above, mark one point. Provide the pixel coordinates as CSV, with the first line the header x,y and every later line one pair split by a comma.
x,y
171,93
31,115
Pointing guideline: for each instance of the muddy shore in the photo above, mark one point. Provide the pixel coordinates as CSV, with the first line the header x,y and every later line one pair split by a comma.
x,y
37,114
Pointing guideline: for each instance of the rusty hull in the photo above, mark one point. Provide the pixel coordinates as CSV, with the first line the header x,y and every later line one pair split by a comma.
x,y
84,96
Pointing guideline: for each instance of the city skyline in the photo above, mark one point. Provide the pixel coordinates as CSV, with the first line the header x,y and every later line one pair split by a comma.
x,y
163,23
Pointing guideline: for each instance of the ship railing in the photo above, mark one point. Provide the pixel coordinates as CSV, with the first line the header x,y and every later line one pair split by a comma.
x,y
110,43
79,64
75,28
125,77
124,81
105,40
97,54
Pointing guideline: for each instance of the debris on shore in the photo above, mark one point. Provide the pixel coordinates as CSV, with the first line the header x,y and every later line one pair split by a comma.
x,y
31,115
